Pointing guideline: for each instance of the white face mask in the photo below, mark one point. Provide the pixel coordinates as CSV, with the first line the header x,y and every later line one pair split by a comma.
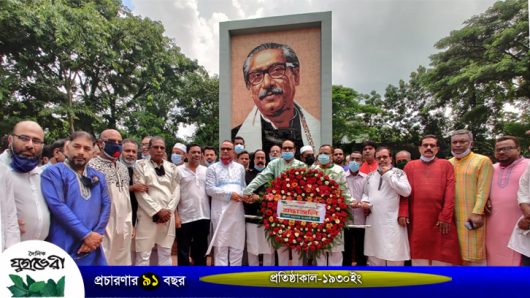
x,y
427,159
461,155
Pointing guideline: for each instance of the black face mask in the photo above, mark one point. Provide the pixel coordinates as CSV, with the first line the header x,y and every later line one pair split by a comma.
x,y
87,182
310,160
160,171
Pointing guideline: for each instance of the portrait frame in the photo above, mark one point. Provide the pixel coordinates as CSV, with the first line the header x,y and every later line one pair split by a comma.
x,y
230,70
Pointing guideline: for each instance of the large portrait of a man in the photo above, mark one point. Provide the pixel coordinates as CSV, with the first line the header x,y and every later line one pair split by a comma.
x,y
275,85
272,73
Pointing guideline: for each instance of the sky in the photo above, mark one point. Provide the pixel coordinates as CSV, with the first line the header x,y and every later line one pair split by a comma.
x,y
374,42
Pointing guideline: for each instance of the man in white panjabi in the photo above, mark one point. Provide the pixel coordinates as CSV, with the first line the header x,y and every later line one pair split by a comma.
x,y
225,181
119,231
336,172
386,241
157,206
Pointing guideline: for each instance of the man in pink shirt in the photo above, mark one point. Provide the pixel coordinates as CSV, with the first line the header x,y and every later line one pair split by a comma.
x,y
505,210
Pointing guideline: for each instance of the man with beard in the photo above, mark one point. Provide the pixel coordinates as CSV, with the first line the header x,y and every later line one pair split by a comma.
x,y
210,156
272,72
22,157
257,243
473,174
505,210
385,242
225,181
307,155
79,203
157,206
129,155
432,230
119,230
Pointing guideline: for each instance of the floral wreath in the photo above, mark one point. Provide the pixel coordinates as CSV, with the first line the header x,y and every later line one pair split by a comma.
x,y
309,185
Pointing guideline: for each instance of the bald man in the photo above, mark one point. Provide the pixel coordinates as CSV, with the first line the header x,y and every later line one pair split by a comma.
x,y
119,231
22,157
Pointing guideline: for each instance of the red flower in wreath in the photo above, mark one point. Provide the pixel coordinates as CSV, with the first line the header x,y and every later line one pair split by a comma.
x,y
307,236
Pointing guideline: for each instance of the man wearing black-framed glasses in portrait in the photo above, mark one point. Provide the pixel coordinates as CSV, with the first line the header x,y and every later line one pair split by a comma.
x,y
272,72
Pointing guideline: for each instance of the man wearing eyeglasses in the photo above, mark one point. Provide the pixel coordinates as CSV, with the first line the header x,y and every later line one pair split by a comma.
x,y
505,210
272,72
79,202
432,229
473,174
157,206
23,157
119,230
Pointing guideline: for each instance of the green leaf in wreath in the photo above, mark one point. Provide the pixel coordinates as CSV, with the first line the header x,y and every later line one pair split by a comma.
x,y
52,283
60,287
17,292
29,280
18,281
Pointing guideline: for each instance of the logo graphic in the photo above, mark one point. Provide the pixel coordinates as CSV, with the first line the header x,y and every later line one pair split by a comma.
x,y
39,269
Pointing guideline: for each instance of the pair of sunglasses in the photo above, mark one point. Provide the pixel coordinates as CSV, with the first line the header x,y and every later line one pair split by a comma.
x,y
89,182
160,171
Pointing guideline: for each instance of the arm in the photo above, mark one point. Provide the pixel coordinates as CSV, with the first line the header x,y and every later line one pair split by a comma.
x,y
485,172
446,215
144,199
175,195
9,213
105,206
403,201
398,181
52,189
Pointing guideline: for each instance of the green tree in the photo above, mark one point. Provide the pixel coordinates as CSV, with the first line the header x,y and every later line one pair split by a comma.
x,y
350,115
482,69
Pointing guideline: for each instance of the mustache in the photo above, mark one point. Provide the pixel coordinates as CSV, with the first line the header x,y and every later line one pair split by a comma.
x,y
269,91
430,151
260,164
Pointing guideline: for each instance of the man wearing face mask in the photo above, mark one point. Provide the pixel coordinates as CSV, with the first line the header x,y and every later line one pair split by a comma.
x,y
473,174
119,230
402,158
239,145
273,170
354,238
431,204
335,172
307,155
178,154
22,158
257,243
225,181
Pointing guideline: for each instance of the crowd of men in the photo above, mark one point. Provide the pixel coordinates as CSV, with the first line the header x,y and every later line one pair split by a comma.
x,y
110,201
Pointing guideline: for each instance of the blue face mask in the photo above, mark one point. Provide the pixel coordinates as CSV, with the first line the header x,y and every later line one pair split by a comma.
x,y
287,155
258,168
323,159
176,158
354,166
239,148
23,164
271,158
207,163
112,149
